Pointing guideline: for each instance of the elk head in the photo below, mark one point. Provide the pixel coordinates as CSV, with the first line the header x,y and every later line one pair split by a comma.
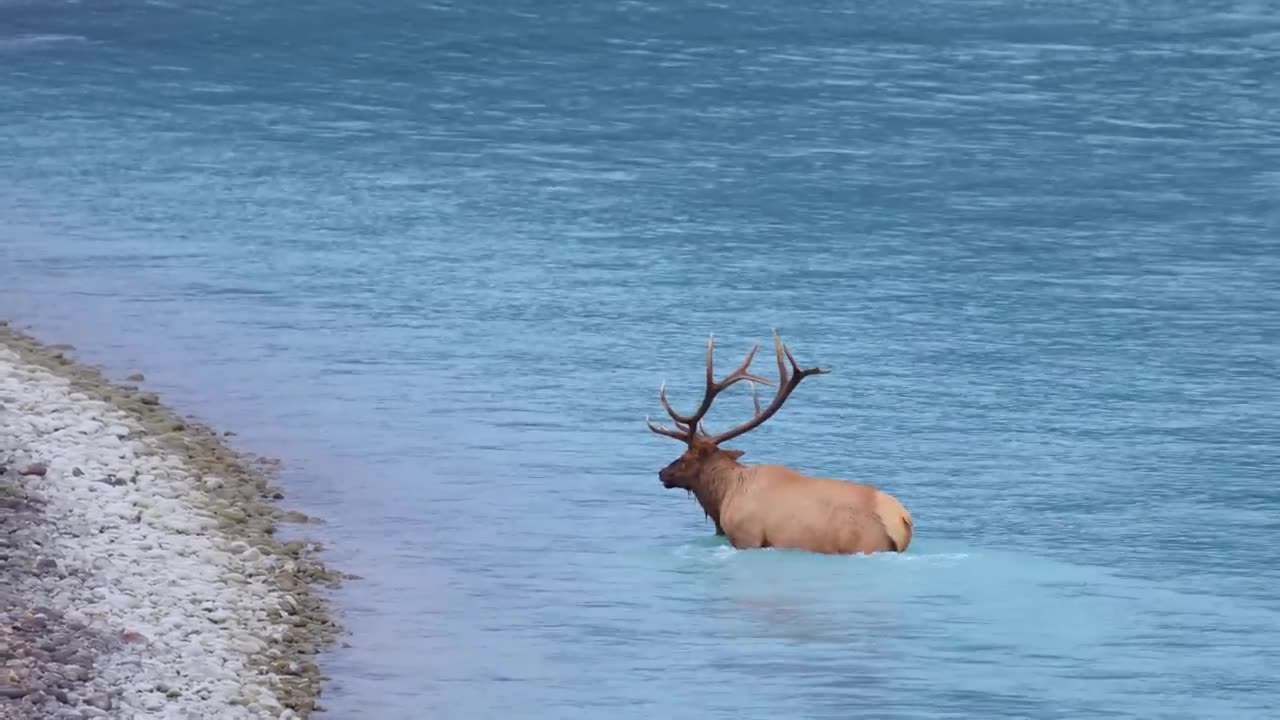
x,y
704,451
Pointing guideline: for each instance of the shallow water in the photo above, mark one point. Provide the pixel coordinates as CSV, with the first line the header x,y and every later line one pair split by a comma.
x,y
440,257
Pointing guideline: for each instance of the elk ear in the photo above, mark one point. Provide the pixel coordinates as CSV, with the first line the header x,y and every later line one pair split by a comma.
x,y
734,454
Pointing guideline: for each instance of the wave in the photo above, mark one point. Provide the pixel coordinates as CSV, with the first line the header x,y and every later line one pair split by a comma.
x,y
20,43
719,550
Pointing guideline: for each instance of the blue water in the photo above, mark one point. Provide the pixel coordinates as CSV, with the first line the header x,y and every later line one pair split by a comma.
x,y
439,257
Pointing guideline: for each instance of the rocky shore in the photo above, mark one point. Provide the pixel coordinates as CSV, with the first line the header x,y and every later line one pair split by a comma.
x,y
140,575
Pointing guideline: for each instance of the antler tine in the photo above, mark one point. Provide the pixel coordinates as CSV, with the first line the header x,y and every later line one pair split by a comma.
x,y
711,374
787,382
692,424
665,430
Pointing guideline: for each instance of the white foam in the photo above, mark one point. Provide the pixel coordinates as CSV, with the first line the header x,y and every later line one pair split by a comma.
x,y
18,43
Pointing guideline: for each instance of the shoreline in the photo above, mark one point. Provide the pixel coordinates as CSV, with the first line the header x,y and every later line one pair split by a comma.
x,y
140,572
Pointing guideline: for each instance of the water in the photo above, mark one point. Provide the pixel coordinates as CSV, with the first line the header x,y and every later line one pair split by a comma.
x,y
438,257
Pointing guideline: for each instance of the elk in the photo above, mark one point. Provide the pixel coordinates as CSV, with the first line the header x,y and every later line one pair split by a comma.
x,y
763,506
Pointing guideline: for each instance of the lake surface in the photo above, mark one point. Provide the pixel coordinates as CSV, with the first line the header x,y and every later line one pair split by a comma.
x,y
439,257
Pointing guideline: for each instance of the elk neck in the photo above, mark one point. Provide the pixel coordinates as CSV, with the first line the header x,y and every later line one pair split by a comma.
x,y
719,476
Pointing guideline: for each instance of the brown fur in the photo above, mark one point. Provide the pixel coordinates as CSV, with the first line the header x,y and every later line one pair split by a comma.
x,y
761,506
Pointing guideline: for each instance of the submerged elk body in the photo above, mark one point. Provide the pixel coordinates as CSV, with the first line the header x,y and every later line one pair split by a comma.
x,y
760,506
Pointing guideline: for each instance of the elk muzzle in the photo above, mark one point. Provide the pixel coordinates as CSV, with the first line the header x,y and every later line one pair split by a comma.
x,y
669,475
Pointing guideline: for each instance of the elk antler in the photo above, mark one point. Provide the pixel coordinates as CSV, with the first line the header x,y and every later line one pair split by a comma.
x,y
785,386
687,426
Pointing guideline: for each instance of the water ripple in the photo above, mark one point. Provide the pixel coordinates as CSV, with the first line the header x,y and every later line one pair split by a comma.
x,y
440,256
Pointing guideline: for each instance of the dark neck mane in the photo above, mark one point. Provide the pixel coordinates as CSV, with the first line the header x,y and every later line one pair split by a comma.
x,y
720,476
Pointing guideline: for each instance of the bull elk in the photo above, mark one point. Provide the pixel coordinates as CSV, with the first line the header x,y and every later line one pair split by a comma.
x,y
761,506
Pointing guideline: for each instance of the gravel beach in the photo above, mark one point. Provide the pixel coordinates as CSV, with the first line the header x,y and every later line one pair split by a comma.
x,y
140,575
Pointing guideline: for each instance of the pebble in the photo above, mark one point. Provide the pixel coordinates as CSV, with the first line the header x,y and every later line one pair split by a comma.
x,y
13,693
142,601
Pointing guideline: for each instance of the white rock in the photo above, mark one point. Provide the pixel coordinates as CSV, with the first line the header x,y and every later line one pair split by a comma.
x,y
145,556
152,701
